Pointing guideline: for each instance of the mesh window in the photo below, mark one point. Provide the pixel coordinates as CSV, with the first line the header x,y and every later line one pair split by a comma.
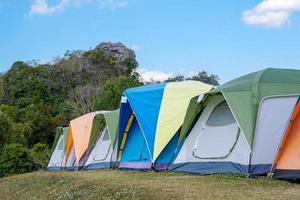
x,y
61,144
106,136
221,116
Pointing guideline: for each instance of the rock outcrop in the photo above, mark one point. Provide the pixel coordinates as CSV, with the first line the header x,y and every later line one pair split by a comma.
x,y
119,51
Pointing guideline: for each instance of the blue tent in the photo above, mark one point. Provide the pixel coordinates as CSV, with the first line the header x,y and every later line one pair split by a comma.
x,y
150,119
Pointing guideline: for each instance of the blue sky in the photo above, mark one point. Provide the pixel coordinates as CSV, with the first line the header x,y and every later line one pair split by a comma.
x,y
170,36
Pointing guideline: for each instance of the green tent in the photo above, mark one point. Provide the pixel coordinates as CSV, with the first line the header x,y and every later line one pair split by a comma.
x,y
244,95
259,103
102,148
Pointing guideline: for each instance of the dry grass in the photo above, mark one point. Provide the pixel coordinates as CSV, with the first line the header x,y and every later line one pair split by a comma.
x,y
114,184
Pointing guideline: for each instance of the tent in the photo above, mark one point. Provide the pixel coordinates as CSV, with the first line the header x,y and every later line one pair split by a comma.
x,y
287,162
103,152
150,120
91,140
58,150
238,127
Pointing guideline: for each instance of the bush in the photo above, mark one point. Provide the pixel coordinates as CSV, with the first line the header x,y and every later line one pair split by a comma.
x,y
40,154
15,159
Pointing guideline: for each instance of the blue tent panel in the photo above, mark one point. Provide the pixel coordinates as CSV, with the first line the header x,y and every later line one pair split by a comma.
x,y
210,167
135,153
125,112
168,154
145,101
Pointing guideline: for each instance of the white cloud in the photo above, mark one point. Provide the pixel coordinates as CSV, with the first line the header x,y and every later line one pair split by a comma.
x,y
148,76
271,13
42,7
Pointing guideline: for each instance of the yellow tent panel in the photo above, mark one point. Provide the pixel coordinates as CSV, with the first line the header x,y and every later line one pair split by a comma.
x,y
176,98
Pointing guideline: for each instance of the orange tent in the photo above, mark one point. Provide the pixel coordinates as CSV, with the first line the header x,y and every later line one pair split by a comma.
x,y
287,162
79,135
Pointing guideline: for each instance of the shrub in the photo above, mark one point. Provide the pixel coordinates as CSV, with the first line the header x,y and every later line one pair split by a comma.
x,y
15,159
40,154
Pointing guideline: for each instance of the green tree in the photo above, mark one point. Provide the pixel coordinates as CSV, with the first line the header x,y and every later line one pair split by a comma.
x,y
40,154
204,77
24,85
5,129
111,92
177,78
15,159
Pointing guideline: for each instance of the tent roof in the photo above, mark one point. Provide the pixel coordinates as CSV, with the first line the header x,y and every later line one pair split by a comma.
x,y
155,106
81,132
245,93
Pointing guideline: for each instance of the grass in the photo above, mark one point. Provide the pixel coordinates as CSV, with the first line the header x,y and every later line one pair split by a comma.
x,y
114,184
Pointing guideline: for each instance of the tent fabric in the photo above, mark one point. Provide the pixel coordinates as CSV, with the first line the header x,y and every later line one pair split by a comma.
x,y
219,134
200,153
154,107
191,113
287,163
145,101
65,133
168,155
69,145
211,167
272,120
98,125
245,93
81,131
59,132
71,160
84,131
57,157
176,97
102,150
135,154
100,156
112,122
261,103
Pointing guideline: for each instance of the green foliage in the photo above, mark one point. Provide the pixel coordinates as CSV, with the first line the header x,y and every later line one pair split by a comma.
x,y
35,99
177,78
96,57
5,127
15,159
40,154
202,76
24,85
110,93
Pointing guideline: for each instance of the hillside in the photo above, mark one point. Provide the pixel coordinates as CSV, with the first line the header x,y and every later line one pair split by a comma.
x,y
113,184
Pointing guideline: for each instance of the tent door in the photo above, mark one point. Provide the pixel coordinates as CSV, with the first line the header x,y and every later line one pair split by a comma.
x,y
102,147
58,154
219,134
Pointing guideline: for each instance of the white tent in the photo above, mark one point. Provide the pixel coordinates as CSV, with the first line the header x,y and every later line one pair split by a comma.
x,y
70,161
215,144
239,126
57,157
103,154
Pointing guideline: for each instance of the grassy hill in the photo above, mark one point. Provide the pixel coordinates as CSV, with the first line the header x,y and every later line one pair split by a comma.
x,y
109,184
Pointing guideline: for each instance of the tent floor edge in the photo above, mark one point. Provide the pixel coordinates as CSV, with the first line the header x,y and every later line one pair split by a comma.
x,y
292,175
